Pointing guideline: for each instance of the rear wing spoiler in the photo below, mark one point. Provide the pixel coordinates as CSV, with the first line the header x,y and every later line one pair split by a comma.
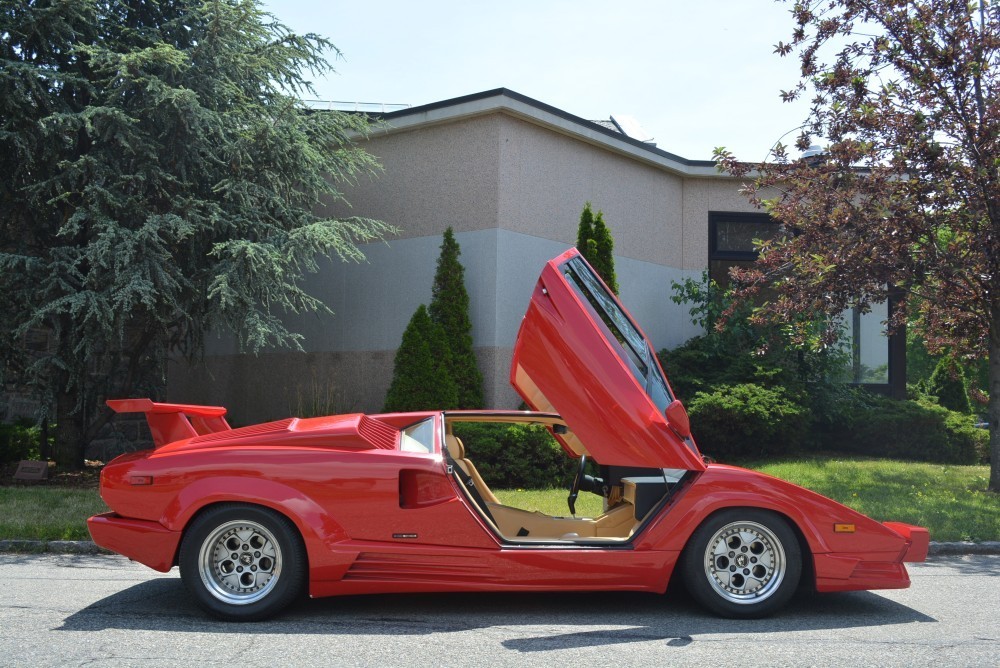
x,y
173,422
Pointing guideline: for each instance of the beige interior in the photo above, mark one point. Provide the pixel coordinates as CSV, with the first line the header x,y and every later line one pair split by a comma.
x,y
616,524
457,452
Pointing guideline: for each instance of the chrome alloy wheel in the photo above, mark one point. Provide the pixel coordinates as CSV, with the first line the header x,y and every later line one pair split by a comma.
x,y
240,562
744,562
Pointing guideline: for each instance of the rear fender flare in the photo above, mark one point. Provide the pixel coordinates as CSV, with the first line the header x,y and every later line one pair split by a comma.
x,y
318,530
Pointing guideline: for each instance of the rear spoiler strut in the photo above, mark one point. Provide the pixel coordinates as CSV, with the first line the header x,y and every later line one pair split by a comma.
x,y
173,422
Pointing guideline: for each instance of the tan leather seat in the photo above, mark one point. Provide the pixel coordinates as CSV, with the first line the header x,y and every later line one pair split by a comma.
x,y
457,451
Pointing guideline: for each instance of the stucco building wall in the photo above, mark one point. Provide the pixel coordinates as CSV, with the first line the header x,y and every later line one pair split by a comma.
x,y
511,179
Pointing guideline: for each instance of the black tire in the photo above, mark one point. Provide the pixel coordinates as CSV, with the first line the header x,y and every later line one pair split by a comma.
x,y
742,563
242,562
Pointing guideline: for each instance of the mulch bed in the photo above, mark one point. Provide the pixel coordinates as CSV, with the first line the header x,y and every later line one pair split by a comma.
x,y
86,478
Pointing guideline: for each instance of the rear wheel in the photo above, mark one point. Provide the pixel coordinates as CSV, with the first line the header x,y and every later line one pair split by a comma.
x,y
743,563
242,562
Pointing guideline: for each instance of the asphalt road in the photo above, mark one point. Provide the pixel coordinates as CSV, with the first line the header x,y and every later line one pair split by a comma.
x,y
69,610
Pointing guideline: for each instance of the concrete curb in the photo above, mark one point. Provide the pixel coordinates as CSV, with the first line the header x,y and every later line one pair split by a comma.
x,y
52,547
965,547
88,547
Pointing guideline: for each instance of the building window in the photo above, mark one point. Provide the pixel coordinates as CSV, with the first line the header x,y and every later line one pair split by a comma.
x,y
731,241
865,339
875,360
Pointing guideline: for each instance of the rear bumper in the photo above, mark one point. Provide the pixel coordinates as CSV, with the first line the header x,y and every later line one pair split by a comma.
x,y
147,542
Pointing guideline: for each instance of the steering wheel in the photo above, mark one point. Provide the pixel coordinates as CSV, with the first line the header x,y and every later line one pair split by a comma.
x,y
574,490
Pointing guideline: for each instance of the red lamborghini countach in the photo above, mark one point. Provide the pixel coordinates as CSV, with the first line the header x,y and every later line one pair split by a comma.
x,y
364,504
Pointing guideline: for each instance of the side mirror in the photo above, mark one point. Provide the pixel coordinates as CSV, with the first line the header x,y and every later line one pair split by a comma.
x,y
677,418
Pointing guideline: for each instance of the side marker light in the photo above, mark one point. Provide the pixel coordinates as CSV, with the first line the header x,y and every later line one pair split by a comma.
x,y
843,528
141,480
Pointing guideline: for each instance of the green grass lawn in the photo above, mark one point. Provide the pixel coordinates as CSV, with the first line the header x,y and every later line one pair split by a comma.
x,y
551,501
950,501
47,512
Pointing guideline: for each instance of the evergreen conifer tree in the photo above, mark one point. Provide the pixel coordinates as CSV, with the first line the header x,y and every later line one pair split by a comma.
x,y
948,384
161,178
449,308
595,243
604,257
420,378
585,233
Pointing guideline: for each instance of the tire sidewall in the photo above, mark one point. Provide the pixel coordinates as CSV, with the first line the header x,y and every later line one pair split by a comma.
x,y
289,582
697,581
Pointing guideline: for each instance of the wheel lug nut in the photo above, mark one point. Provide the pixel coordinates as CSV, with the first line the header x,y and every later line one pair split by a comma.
x,y
257,554
732,569
743,549
245,546
239,569
253,568
234,556
746,571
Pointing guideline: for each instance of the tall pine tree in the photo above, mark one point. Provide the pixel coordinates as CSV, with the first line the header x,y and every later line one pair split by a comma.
x,y
421,379
585,232
604,258
449,308
161,178
949,386
595,243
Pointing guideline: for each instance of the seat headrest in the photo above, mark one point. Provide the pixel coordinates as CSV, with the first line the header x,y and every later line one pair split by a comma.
x,y
455,447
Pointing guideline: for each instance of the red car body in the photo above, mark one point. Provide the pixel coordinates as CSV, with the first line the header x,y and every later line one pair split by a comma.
x,y
375,509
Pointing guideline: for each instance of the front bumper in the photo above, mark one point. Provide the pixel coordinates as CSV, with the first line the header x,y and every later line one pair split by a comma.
x,y
149,543
868,570
918,539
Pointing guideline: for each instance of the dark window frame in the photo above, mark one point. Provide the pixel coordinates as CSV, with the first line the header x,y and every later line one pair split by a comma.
x,y
896,387
742,218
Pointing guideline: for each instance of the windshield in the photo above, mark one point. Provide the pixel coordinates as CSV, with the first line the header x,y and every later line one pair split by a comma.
x,y
418,437
626,338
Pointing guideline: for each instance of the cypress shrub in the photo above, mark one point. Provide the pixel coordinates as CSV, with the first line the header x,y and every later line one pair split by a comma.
x,y
605,252
595,243
449,308
420,378
948,385
585,232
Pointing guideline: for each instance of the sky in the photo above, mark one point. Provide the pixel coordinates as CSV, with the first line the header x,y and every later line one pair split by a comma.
x,y
695,74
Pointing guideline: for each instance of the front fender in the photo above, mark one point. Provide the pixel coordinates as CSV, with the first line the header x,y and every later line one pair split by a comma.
x,y
814,515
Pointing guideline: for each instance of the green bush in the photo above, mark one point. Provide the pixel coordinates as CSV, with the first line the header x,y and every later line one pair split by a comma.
x,y
19,441
733,350
516,456
449,308
748,420
420,378
910,430
949,386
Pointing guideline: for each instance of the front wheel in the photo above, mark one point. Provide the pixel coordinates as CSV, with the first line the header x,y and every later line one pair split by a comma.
x,y
242,562
743,563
